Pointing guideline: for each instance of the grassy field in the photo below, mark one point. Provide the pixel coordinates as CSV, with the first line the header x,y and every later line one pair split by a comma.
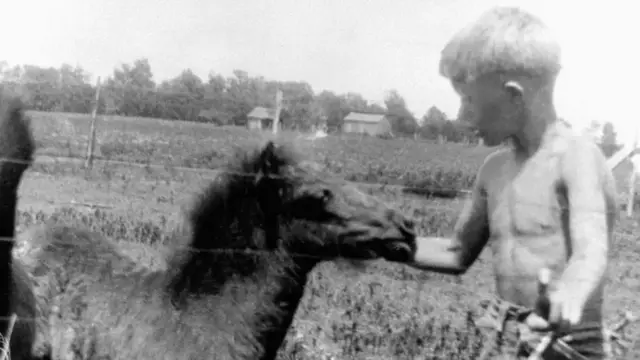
x,y
386,311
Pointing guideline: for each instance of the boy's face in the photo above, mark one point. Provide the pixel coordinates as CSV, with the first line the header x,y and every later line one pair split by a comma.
x,y
491,107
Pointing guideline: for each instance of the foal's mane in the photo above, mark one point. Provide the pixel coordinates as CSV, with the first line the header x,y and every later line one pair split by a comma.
x,y
229,217
226,212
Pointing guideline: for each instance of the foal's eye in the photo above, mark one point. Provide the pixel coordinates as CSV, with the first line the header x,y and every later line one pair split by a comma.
x,y
326,195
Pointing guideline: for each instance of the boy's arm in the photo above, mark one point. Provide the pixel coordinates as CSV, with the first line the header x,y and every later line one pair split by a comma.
x,y
584,172
456,254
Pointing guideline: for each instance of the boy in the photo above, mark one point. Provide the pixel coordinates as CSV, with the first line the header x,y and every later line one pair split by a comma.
x,y
548,201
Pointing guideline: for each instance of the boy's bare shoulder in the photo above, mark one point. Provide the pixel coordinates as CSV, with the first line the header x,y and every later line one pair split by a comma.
x,y
581,148
583,160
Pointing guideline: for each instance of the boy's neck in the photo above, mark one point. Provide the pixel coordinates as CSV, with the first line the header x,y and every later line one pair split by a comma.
x,y
538,118
532,135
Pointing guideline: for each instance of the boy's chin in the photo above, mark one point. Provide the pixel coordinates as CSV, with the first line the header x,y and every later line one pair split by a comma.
x,y
491,141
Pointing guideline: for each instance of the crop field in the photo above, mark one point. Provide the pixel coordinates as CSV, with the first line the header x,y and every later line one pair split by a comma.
x,y
382,311
175,143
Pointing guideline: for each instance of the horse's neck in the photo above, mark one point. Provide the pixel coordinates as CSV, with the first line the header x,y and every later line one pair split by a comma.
x,y
265,302
286,291
265,297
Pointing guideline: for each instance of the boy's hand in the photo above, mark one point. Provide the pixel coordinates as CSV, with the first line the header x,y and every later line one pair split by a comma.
x,y
564,312
561,308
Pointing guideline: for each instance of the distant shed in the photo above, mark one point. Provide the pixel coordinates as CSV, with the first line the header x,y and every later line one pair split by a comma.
x,y
364,123
260,118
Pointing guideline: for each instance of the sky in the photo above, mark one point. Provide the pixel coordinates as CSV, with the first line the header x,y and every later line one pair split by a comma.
x,y
364,46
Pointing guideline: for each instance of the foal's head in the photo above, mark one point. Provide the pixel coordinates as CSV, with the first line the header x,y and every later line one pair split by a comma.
x,y
269,200
263,198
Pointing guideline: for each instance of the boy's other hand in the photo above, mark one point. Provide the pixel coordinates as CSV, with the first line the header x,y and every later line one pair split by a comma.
x,y
563,310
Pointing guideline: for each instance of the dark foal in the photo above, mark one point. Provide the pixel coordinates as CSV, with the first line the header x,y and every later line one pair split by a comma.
x,y
232,286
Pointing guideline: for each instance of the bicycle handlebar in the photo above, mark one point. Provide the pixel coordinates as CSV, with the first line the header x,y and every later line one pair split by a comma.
x,y
504,311
541,308
552,339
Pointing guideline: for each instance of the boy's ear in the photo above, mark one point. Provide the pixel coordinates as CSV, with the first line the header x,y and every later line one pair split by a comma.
x,y
514,88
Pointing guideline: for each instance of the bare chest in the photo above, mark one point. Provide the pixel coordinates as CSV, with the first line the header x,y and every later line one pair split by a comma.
x,y
528,221
527,199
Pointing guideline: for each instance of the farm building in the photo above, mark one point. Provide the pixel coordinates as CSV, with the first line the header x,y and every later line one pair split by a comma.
x,y
363,123
622,164
260,118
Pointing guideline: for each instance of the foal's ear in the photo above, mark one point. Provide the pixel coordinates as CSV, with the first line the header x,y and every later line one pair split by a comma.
x,y
269,149
268,157
268,161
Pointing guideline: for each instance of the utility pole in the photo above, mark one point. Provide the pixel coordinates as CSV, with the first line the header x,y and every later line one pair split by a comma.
x,y
92,133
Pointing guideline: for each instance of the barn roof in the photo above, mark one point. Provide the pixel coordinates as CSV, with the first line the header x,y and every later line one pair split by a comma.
x,y
364,117
262,113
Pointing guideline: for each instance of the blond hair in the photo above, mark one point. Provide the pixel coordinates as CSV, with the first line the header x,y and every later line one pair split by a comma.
x,y
503,39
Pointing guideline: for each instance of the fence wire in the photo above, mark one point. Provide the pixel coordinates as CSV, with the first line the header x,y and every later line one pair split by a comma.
x,y
410,191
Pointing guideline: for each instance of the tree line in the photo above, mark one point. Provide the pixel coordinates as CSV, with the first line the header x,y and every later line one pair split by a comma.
x,y
132,91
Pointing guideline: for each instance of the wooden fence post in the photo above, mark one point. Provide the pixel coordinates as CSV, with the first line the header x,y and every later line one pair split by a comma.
x,y
92,134
276,115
